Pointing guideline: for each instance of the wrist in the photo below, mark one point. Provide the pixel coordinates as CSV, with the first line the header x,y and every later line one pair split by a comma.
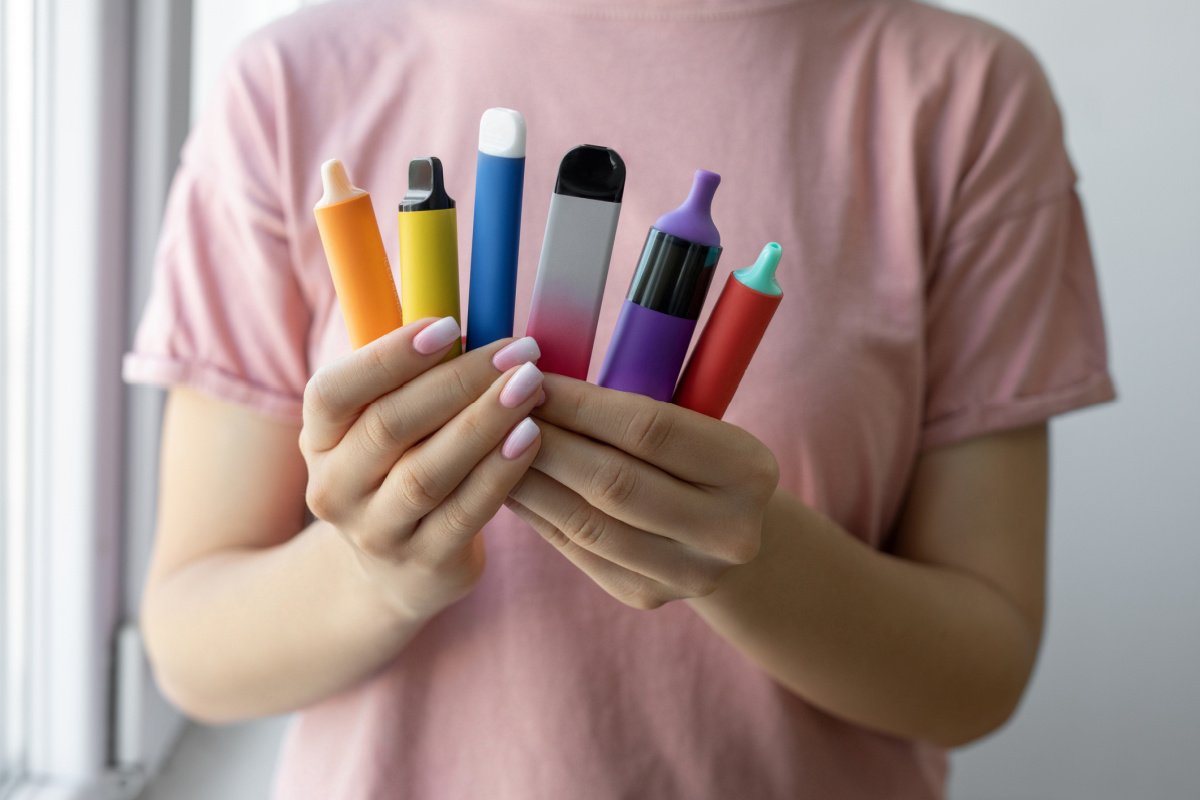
x,y
409,594
379,586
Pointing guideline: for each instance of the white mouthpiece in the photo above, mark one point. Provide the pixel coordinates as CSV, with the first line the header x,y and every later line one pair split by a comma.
x,y
336,183
502,133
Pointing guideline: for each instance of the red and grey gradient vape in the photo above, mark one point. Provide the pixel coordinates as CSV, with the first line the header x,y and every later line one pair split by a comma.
x,y
729,339
573,267
660,311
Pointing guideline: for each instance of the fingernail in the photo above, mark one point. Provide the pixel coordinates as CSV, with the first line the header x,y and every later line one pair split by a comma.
x,y
442,333
519,352
541,400
521,385
519,440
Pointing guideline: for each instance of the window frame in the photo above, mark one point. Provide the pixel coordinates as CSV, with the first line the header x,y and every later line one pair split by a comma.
x,y
147,726
78,265
17,56
94,724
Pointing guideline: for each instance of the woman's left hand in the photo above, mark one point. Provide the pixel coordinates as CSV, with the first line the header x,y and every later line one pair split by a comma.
x,y
653,501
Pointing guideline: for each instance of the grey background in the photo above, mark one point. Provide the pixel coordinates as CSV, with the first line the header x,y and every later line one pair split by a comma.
x,y
1113,711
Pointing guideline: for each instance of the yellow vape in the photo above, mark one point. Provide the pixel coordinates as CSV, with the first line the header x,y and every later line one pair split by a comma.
x,y
428,247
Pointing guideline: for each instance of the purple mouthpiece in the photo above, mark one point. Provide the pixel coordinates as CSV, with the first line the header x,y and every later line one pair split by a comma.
x,y
693,219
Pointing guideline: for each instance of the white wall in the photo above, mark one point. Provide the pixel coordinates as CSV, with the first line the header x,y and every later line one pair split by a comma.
x,y
1114,709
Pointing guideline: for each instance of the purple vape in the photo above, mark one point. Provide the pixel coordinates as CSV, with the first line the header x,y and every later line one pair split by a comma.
x,y
660,311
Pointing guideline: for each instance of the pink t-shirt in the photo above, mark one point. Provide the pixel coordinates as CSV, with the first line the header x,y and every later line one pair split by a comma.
x,y
937,284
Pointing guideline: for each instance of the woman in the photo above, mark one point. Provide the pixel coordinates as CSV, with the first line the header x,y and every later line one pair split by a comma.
x,y
812,598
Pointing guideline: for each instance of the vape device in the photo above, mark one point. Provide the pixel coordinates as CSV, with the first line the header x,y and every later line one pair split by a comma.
x,y
665,297
731,335
574,262
496,226
428,247
357,260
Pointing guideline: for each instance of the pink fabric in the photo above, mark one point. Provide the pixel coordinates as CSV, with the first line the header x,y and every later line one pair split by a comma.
x,y
938,285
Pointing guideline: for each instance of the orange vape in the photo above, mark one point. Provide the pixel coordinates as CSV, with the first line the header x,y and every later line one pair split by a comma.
x,y
357,260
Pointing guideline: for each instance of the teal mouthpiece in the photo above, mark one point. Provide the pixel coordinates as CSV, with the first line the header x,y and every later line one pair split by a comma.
x,y
760,276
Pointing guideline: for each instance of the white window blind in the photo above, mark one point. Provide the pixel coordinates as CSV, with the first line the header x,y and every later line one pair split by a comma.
x,y
16,229
69,198
85,85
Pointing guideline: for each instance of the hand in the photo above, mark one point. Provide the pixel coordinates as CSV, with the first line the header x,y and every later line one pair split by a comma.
x,y
654,502
408,457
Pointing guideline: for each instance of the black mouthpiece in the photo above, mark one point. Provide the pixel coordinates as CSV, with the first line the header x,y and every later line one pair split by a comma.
x,y
593,173
426,188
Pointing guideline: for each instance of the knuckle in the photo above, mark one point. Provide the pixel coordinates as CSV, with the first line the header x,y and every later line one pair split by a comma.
x,y
322,495
459,387
650,428
740,540
745,547
378,433
493,486
474,430
701,581
557,537
585,527
640,596
457,516
463,565
758,467
328,394
415,490
316,402
572,401
613,482
305,443
472,567
319,501
375,361
768,469
460,564
379,367
377,547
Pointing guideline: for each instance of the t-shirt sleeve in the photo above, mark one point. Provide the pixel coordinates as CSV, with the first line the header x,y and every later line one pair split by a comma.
x,y
1013,329
226,314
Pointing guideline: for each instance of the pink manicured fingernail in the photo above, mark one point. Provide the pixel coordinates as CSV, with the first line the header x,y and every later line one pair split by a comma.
x,y
442,333
519,440
521,385
541,400
519,352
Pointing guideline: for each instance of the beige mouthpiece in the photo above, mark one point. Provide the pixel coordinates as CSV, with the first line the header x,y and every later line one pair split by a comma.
x,y
336,183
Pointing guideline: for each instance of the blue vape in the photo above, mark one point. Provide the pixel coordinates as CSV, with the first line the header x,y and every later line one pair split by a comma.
x,y
496,228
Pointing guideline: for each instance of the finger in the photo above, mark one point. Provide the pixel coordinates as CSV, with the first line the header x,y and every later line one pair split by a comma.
x,y
626,488
426,474
686,571
672,438
625,585
391,425
339,391
445,531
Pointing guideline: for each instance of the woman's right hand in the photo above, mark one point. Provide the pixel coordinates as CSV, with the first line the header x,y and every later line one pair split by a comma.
x,y
408,457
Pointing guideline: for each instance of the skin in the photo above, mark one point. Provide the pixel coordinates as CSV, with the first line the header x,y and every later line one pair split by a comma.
x,y
247,614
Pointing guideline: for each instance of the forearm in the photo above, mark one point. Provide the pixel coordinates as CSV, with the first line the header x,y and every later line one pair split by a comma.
x,y
253,632
905,648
